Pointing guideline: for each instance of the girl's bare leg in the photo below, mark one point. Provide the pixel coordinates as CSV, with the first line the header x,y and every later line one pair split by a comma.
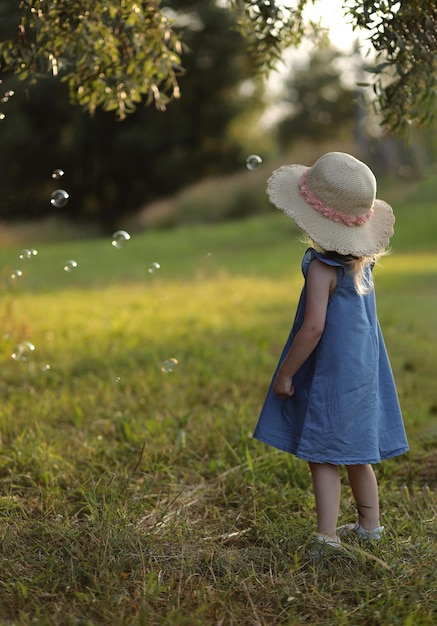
x,y
365,491
326,481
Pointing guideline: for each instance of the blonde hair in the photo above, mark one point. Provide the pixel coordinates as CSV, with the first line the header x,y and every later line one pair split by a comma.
x,y
363,281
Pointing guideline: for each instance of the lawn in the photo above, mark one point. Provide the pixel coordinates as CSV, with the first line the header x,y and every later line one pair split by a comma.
x,y
131,489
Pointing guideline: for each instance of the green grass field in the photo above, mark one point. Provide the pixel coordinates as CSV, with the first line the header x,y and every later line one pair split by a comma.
x,y
131,494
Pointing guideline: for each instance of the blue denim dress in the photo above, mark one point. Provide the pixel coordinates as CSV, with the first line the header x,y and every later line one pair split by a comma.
x,y
345,408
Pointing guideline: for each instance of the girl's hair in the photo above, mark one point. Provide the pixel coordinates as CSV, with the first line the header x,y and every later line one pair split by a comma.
x,y
363,280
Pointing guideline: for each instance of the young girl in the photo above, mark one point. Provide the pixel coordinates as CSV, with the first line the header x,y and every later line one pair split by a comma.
x,y
333,400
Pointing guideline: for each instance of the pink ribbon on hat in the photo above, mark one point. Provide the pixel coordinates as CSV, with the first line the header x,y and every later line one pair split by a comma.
x,y
327,211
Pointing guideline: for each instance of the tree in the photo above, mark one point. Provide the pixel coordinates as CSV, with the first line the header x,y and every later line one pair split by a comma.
x,y
320,105
404,35
113,53
110,54
112,168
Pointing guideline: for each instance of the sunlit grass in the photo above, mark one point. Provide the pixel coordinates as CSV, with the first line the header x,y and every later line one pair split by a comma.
x,y
131,495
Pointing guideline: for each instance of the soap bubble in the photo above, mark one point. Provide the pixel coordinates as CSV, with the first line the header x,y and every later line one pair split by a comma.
x,y
16,274
169,365
70,265
253,161
8,94
59,198
22,351
119,238
58,173
28,253
2,116
154,267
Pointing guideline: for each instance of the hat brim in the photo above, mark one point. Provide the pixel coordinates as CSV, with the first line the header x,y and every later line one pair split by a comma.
x,y
369,238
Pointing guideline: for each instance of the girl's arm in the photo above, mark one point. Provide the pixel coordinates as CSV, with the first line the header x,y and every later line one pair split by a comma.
x,y
320,284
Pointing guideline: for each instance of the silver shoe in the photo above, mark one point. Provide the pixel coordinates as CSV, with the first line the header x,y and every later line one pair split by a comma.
x,y
370,535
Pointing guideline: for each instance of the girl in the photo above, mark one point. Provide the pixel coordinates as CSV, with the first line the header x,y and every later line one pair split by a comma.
x,y
333,400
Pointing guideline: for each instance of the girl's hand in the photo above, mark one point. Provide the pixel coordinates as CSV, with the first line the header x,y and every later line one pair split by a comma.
x,y
283,386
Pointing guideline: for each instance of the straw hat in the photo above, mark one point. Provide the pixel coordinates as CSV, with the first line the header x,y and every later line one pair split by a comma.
x,y
334,202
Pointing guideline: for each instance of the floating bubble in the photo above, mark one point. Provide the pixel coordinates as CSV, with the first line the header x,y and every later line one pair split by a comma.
x,y
2,116
8,94
117,379
16,274
119,238
70,265
22,351
58,173
253,161
169,365
59,198
154,267
27,254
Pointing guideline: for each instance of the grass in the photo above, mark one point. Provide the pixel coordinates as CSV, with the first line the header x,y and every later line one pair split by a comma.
x,y
133,495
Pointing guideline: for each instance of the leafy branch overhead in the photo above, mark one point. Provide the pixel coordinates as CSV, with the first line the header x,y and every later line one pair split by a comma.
x,y
404,36
111,54
114,54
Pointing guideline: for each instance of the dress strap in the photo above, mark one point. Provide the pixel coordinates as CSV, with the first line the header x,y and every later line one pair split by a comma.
x,y
312,254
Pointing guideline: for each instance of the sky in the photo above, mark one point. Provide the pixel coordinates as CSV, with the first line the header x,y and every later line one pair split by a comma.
x,y
330,14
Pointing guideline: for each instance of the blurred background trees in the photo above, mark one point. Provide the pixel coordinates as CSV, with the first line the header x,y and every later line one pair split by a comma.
x,y
207,102
320,105
113,54
113,167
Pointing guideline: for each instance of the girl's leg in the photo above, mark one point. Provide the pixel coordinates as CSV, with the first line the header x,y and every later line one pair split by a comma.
x,y
326,481
365,491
